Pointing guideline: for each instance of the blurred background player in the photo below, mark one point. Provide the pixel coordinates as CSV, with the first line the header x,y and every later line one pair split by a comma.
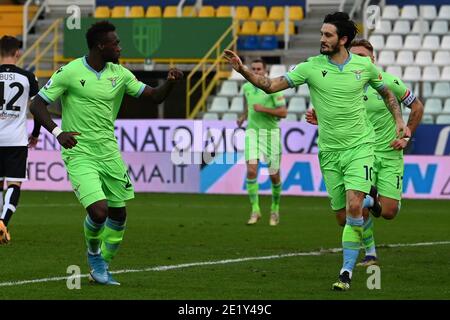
x,y
91,90
262,139
336,80
387,175
17,86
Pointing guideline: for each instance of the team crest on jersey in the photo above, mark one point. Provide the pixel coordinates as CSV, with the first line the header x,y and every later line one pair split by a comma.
x,y
357,74
113,81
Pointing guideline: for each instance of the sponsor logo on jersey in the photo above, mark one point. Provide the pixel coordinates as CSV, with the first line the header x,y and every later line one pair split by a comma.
x,y
324,73
82,82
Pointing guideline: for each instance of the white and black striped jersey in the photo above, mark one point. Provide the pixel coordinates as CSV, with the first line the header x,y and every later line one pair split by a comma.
x,y
17,86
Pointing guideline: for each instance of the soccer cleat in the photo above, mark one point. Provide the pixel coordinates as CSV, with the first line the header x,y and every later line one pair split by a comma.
x,y
4,234
376,208
112,281
99,272
254,218
274,219
368,261
343,283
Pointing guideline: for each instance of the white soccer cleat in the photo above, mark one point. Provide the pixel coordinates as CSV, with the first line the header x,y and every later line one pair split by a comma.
x,y
274,219
254,218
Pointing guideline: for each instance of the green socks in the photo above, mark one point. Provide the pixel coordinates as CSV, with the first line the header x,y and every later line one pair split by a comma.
x,y
112,237
252,189
92,235
368,239
276,195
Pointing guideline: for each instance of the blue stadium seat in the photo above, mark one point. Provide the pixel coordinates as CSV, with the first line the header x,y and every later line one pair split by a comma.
x,y
248,43
268,43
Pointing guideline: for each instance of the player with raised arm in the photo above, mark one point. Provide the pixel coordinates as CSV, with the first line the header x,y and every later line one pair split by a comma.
x,y
17,86
262,140
91,90
336,79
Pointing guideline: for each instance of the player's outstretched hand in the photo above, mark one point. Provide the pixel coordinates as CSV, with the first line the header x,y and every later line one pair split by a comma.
x,y
67,139
32,141
233,59
174,74
311,117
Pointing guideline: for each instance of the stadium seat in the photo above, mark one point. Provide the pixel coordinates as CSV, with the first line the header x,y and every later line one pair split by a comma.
x,y
441,90
170,12
219,104
297,105
276,13
237,104
259,13
249,28
396,71
267,28
427,89
445,74
210,116
431,43
277,70
411,73
421,27
229,116
248,43
439,27
433,106
412,42
394,42
290,117
446,106
424,58
229,88
102,12
401,27
236,76
268,43
119,12
241,90
296,13
427,119
390,12
303,91
189,11
281,27
444,12
289,92
445,43
405,117
137,12
443,119
384,27
153,12
386,58
430,73
242,12
206,12
223,11
428,12
442,58
409,12
405,58
377,42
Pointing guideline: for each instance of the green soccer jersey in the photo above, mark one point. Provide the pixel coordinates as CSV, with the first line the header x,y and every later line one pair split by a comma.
x,y
261,120
90,103
337,96
380,116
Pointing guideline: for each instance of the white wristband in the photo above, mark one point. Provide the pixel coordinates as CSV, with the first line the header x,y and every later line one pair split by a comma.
x,y
56,132
406,139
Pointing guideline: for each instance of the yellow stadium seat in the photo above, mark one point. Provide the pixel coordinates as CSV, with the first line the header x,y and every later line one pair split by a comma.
x,y
267,28
242,12
102,12
259,13
296,13
153,12
137,12
170,12
206,11
249,27
223,11
119,12
280,29
189,11
276,13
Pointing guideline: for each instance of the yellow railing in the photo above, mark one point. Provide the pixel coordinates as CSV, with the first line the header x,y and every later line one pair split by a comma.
x,y
217,65
40,51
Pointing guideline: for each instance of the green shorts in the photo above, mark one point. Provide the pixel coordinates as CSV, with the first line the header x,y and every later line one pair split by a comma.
x,y
350,169
265,145
94,180
388,176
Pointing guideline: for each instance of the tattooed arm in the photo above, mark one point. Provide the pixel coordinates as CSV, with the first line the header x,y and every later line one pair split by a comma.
x,y
391,102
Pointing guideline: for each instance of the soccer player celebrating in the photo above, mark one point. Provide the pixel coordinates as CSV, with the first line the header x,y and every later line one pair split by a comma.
x,y
262,138
91,90
388,166
336,79
17,86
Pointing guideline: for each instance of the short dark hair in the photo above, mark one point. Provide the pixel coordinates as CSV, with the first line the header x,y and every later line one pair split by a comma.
x,y
9,45
98,31
362,43
259,60
344,26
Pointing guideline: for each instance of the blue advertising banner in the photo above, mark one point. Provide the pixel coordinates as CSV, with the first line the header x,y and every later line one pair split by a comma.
x,y
431,140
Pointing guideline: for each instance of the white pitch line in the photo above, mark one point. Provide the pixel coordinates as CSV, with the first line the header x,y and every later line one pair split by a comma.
x,y
219,262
